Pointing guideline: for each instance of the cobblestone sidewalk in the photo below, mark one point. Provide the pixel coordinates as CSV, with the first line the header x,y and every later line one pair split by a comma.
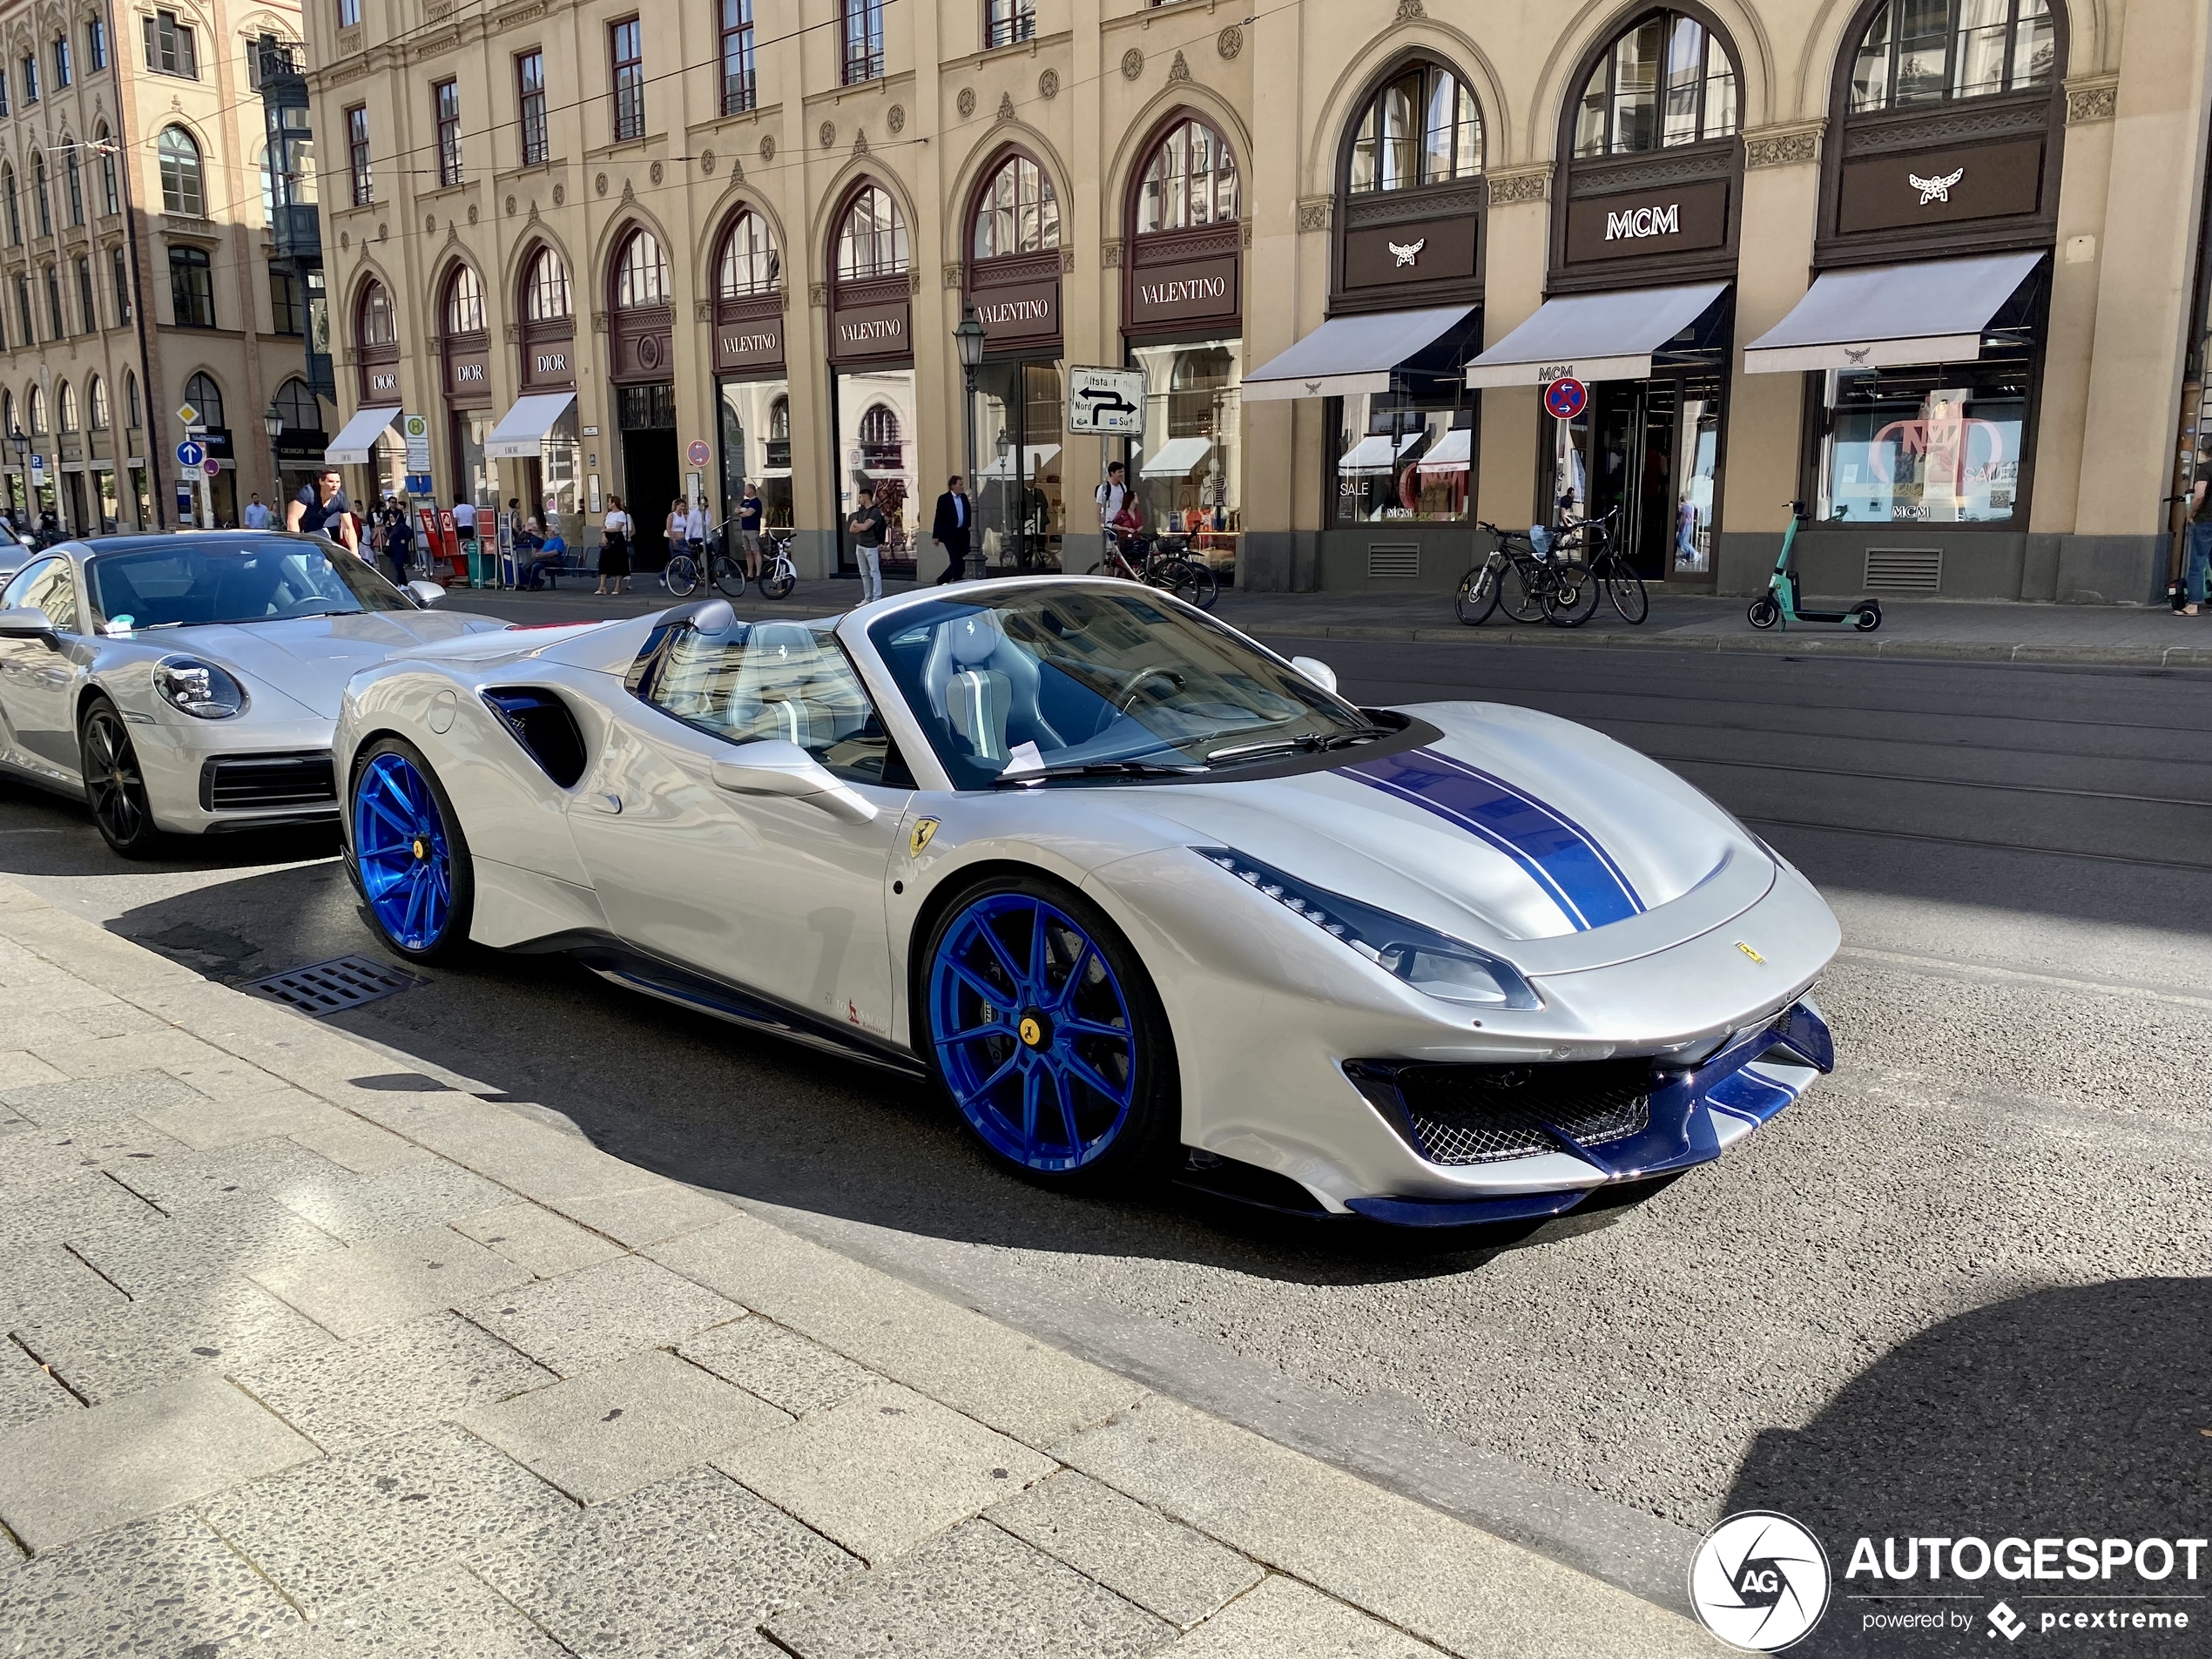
x,y
310,1359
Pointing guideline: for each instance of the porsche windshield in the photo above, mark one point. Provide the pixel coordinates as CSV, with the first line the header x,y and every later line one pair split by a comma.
x,y
1091,683
188,580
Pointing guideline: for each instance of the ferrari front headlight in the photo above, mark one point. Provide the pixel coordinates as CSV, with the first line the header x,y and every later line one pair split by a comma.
x,y
1434,963
198,688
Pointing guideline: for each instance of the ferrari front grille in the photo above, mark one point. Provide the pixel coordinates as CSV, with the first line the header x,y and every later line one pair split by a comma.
x,y
266,783
1463,1115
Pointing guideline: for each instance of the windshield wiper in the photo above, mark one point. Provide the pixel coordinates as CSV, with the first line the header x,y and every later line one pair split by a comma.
x,y
1097,769
1311,743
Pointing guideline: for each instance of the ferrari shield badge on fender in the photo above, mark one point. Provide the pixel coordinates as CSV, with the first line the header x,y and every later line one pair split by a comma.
x,y
924,830
1753,955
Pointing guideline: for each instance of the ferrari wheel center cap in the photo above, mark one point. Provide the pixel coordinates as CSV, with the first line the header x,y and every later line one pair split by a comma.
x,y
421,848
1035,1031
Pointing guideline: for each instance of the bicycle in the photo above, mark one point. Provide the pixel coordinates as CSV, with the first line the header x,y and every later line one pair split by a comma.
x,y
1623,586
779,576
1190,580
1533,584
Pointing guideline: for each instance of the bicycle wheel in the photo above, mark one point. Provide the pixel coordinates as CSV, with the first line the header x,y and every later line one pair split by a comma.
x,y
1521,588
778,581
1625,588
681,576
729,577
1477,595
1572,596
1193,583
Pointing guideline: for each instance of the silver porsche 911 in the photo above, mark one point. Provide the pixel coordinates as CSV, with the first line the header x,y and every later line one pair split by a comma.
x,y
188,684
1133,890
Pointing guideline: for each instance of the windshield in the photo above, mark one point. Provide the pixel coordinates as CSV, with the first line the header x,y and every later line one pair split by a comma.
x,y
203,579
1087,682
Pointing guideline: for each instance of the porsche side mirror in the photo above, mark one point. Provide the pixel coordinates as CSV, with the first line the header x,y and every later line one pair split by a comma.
x,y
1317,670
427,593
28,622
779,768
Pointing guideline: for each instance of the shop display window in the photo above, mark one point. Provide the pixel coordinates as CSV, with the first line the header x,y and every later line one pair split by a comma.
x,y
1941,444
1402,458
1185,469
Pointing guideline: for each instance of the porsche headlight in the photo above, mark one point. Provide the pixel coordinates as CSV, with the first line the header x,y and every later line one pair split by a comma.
x,y
198,688
1431,963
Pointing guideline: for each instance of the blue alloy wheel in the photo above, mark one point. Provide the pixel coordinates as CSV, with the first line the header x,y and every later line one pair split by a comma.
x,y
1033,1033
403,852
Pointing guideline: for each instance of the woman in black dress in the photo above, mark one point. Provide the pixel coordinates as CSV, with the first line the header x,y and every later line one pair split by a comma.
x,y
614,550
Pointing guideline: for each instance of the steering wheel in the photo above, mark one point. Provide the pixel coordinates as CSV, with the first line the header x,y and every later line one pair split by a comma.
x,y
1128,697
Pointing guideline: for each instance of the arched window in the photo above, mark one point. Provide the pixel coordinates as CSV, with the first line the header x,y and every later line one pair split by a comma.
x,y
8,413
779,421
111,193
1192,180
1665,81
464,307
66,400
377,327
73,183
297,405
130,398
37,402
96,403
268,185
872,240
1422,128
183,188
750,264
545,288
15,207
641,273
1928,51
38,190
1018,212
202,393
882,448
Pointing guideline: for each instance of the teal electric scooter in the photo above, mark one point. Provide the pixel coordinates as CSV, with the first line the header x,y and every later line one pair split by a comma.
x,y
1779,603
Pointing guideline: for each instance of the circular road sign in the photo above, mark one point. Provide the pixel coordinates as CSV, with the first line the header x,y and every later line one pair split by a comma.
x,y
190,454
696,455
212,467
1567,398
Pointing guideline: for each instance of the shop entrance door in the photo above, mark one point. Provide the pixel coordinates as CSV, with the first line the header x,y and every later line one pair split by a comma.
x,y
1650,450
79,524
651,470
1019,504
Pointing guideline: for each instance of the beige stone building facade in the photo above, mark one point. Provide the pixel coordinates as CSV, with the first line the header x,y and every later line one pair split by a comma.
x,y
1931,266
135,262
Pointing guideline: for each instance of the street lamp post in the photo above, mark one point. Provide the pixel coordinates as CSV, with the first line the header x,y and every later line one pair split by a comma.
x,y
969,337
272,422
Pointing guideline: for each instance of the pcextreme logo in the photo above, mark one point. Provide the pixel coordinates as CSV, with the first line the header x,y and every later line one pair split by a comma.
x,y
1759,1581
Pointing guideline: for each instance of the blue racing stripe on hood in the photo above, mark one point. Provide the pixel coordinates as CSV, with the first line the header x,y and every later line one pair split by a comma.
x,y
1558,854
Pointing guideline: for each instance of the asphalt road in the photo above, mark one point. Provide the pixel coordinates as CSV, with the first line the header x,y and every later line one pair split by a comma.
x,y
1961,1287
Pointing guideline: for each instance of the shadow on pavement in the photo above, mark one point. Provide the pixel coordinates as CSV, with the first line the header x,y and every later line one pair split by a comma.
x,y
2074,1413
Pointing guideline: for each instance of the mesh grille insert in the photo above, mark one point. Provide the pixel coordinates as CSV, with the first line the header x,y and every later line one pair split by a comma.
x,y
1462,1115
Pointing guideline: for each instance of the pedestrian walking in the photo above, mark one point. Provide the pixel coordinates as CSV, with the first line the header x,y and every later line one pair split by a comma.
x,y
867,526
953,527
464,518
2199,540
399,543
258,516
614,548
1113,495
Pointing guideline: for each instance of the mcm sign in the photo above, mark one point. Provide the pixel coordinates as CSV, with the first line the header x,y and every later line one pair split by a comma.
x,y
1407,255
1934,190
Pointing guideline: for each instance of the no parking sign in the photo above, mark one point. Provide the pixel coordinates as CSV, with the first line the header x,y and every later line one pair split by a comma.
x,y
1567,398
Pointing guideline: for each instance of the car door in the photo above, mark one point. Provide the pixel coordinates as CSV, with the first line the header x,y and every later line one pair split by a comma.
x,y
771,892
38,681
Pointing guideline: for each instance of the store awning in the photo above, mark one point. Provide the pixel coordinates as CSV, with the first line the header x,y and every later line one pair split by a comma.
x,y
1932,312
1348,355
1376,454
1176,458
356,445
1454,452
1593,336
1039,455
522,431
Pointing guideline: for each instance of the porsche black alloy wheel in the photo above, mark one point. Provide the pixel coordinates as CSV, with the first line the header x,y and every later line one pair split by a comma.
x,y
114,786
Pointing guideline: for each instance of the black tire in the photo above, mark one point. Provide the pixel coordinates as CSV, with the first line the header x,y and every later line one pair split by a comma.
x,y
1522,598
1477,598
1573,601
1142,1152
1194,583
680,577
115,786
774,585
461,906
1763,612
1625,588
729,577
1867,618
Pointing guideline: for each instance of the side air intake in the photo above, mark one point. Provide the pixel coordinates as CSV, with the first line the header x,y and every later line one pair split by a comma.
x,y
541,722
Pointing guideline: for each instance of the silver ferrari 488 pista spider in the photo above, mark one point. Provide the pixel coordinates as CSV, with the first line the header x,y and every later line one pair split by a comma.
x,y
1133,890
188,684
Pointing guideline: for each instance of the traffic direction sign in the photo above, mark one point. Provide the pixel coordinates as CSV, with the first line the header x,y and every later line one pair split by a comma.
x,y
189,453
1567,398
1110,401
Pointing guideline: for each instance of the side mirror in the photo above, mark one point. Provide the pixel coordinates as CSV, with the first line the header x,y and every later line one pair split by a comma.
x,y
1317,670
428,593
779,768
28,622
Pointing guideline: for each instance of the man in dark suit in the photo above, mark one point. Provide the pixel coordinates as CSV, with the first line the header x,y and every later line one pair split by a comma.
x,y
956,522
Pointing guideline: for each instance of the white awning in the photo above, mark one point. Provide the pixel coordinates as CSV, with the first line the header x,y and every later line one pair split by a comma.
x,y
1348,355
356,445
1593,336
1176,458
1454,452
1934,312
1039,455
522,431
1376,454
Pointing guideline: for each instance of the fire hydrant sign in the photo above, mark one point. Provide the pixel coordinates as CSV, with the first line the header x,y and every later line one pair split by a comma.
x,y
1109,400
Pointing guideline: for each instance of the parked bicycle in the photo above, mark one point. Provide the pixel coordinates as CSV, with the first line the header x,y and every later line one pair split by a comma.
x,y
727,571
1537,575
1166,565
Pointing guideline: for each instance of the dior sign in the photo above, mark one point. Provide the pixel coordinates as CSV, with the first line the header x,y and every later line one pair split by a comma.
x,y
383,379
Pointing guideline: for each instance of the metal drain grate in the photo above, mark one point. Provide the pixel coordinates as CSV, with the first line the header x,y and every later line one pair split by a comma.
x,y
1903,570
329,988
